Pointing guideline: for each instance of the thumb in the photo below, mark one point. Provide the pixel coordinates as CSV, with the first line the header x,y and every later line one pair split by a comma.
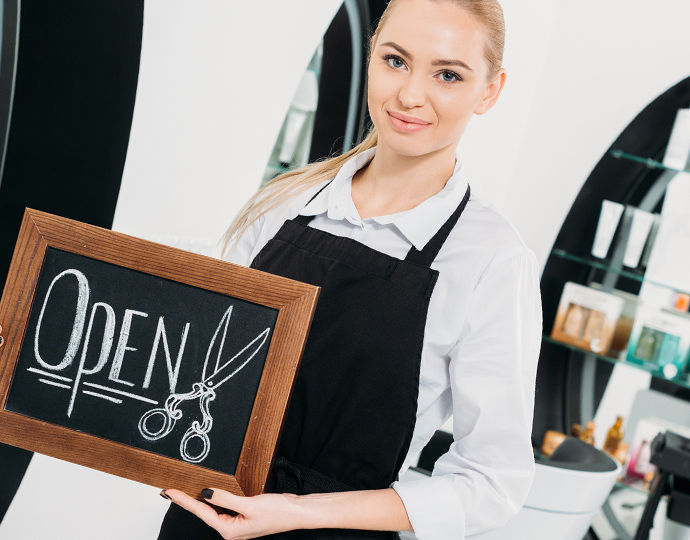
x,y
225,499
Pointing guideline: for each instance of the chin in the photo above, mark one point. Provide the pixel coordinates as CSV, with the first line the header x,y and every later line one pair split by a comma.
x,y
406,145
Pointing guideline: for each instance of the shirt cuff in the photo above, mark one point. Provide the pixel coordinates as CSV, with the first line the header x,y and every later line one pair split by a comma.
x,y
432,508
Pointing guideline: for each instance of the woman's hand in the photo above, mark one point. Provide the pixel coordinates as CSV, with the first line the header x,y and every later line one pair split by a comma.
x,y
256,516
378,510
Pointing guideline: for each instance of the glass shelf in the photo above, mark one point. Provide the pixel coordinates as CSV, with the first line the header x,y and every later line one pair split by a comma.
x,y
601,265
654,371
649,162
278,168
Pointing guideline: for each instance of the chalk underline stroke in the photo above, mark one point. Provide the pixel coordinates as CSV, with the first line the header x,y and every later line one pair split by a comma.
x,y
53,383
48,374
102,396
94,385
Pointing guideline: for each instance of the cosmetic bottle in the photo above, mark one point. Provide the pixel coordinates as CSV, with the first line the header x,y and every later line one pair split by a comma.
x,y
611,213
576,431
639,463
682,302
588,434
594,327
614,437
685,372
552,439
647,345
574,320
637,239
621,452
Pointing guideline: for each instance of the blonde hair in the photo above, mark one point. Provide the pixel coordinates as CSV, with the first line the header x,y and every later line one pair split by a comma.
x,y
290,184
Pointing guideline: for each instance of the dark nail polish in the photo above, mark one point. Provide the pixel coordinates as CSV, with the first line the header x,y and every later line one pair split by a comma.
x,y
165,496
207,493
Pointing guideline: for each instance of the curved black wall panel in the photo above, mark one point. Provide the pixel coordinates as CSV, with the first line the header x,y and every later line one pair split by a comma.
x,y
558,376
76,81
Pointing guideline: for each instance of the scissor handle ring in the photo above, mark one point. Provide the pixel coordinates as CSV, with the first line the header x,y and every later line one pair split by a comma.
x,y
166,427
195,432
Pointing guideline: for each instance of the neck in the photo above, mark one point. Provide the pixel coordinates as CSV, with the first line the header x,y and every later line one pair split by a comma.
x,y
392,183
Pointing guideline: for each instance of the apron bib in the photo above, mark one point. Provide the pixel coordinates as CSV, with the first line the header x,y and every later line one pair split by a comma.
x,y
353,409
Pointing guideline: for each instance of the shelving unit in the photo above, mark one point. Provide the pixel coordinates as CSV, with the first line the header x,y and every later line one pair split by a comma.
x,y
601,265
631,173
611,270
649,162
654,372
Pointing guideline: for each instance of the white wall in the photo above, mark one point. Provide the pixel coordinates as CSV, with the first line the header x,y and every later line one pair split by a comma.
x,y
216,79
571,96
215,83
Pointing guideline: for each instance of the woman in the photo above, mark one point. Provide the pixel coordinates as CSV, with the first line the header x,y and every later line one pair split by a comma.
x,y
429,307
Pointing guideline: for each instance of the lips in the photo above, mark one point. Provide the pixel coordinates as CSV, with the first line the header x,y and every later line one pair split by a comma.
x,y
408,119
406,124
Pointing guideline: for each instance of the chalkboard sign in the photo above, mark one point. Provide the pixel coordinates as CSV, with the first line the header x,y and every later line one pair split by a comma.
x,y
146,361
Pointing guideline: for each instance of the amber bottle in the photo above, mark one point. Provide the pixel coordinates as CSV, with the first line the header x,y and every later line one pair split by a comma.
x,y
614,436
588,434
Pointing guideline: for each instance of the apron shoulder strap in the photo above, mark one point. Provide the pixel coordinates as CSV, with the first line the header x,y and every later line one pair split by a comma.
x,y
304,220
429,252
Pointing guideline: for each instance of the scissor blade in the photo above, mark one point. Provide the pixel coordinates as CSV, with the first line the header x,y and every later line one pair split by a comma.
x,y
229,370
224,321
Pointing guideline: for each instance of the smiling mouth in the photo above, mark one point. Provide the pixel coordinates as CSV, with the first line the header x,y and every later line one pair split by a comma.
x,y
406,127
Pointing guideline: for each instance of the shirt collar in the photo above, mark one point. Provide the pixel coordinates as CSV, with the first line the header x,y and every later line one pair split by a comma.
x,y
418,224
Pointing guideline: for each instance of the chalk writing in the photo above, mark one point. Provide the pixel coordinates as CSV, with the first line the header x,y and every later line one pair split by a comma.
x,y
124,355
168,415
75,340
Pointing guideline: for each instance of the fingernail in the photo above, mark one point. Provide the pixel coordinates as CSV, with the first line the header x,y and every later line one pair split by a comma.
x,y
207,493
165,495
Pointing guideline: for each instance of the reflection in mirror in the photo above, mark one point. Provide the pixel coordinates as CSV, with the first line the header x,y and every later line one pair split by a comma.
x,y
292,146
328,111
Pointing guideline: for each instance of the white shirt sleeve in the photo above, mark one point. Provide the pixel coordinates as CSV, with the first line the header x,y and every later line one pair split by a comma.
x,y
484,479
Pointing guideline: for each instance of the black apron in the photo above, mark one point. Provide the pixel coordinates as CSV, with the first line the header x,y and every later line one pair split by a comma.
x,y
353,409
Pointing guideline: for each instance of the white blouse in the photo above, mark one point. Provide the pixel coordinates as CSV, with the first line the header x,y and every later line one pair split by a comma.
x,y
481,345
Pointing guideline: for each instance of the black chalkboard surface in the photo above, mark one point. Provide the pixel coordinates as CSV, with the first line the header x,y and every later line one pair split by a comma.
x,y
146,361
107,342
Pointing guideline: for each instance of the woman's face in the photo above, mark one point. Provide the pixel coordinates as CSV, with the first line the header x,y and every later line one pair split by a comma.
x,y
428,67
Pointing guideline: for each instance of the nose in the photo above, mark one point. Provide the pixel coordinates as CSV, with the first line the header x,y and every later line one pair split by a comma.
x,y
413,92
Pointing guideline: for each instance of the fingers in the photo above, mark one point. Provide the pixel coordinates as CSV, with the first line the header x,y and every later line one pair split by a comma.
x,y
225,499
200,509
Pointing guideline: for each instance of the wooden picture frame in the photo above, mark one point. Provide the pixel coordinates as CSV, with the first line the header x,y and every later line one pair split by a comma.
x,y
294,301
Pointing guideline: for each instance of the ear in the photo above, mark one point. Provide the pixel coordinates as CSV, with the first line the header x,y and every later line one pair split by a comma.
x,y
491,92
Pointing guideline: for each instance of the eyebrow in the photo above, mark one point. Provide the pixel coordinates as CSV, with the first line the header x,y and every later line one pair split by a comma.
x,y
434,63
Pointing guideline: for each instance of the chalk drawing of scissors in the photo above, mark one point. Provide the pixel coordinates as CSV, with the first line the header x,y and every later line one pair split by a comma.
x,y
205,389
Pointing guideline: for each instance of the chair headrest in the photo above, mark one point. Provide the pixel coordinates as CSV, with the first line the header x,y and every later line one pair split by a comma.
x,y
578,455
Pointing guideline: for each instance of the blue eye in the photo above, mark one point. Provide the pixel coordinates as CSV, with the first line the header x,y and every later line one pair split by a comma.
x,y
454,76
395,60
